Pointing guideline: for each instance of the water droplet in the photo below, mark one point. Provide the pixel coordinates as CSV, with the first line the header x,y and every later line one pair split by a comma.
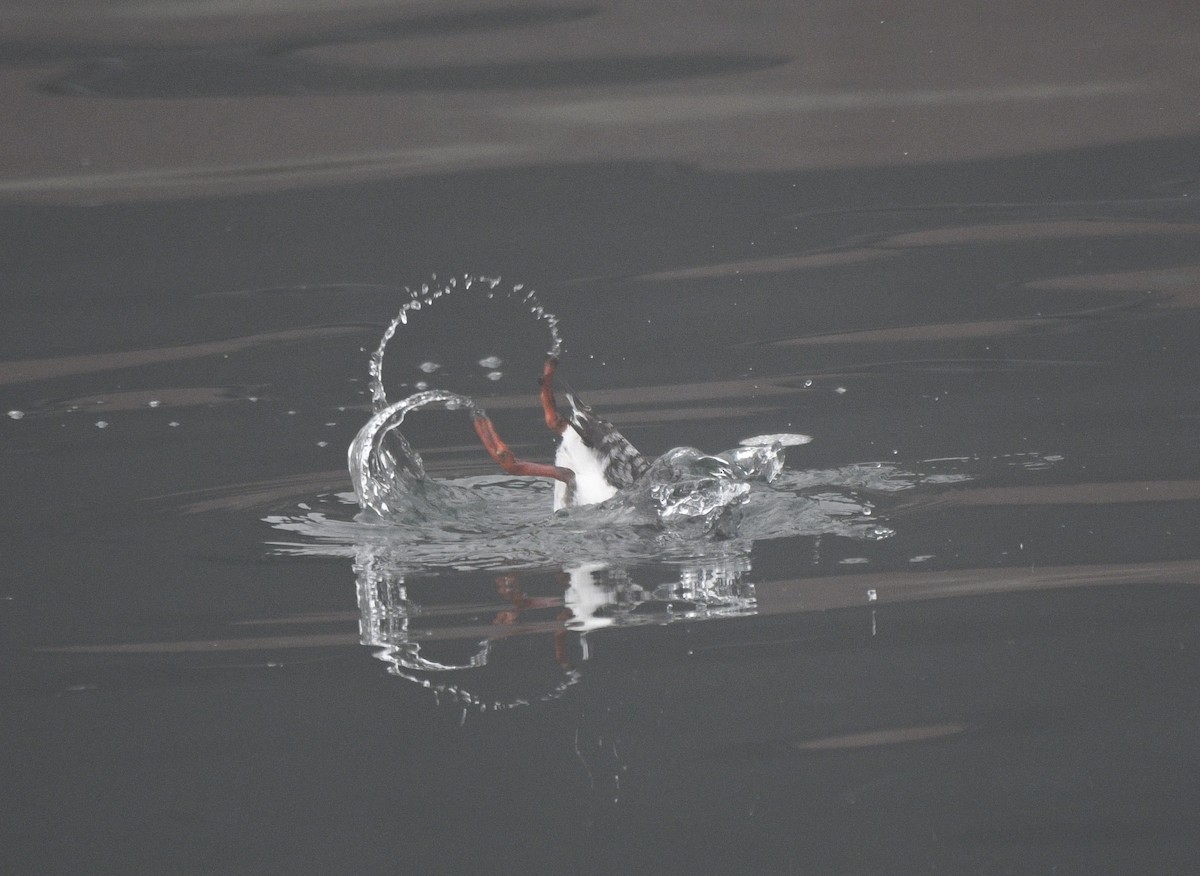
x,y
322,443
173,423
252,398
101,424
841,390
154,403
872,596
807,384
430,293
16,415
291,413
495,375
421,385
491,362
429,367
786,439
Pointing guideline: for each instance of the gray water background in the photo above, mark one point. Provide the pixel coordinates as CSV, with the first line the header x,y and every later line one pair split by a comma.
x,y
981,225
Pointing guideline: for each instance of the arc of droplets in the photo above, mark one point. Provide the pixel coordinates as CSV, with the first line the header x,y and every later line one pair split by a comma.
x,y
427,294
466,699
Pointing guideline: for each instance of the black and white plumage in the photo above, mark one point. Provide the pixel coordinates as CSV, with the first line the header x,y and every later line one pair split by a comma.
x,y
602,458
593,460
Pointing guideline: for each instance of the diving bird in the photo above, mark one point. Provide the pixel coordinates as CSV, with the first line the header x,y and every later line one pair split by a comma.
x,y
593,460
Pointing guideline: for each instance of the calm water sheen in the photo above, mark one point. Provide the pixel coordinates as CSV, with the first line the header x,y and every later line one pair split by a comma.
x,y
958,634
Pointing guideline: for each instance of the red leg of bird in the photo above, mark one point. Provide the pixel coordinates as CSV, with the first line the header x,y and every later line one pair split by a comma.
x,y
554,421
505,458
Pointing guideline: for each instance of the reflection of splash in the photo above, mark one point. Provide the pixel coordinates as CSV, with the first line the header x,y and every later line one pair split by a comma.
x,y
585,569
510,625
519,636
465,652
431,650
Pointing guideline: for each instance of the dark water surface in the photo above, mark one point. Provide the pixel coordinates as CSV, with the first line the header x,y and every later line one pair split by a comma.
x,y
960,251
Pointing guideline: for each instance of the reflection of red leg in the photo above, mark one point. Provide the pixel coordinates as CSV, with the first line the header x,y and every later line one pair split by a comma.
x,y
554,421
509,588
499,451
560,640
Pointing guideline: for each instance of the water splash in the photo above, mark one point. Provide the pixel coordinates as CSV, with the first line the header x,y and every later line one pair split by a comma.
x,y
551,580
685,490
387,473
426,294
684,494
498,522
675,545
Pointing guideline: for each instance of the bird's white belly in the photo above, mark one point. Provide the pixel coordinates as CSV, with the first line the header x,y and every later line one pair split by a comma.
x,y
590,485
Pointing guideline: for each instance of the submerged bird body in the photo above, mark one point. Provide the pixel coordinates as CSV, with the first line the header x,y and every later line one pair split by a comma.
x,y
601,458
593,460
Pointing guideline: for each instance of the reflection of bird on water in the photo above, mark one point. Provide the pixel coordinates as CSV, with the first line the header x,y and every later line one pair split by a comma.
x,y
433,642
593,461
